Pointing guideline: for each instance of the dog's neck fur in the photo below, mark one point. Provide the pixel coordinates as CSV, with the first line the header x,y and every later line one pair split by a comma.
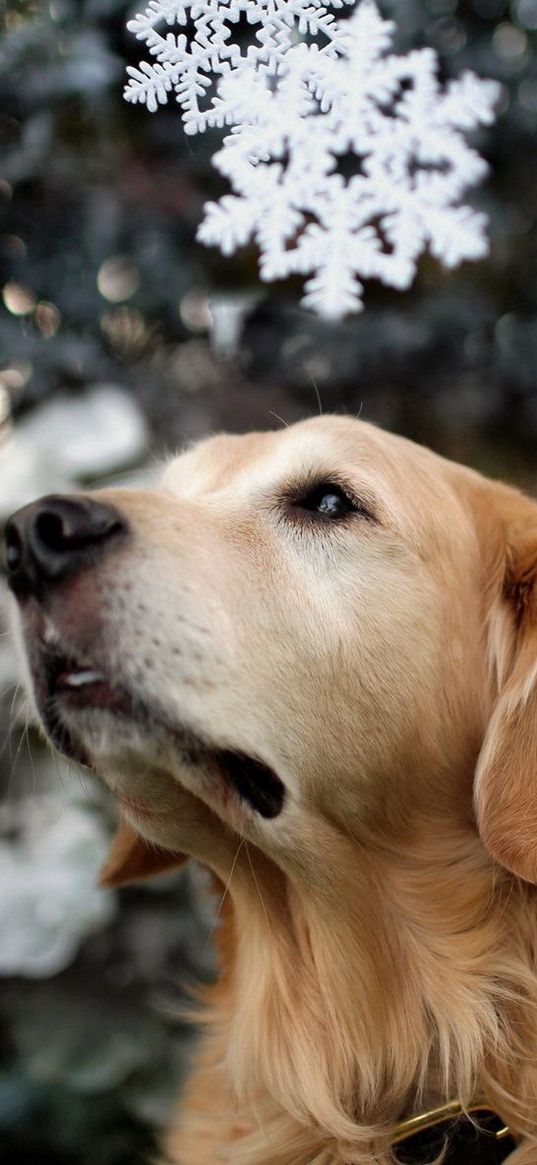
x,y
396,981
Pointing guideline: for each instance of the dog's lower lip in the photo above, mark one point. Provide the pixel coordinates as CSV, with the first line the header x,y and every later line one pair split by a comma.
x,y
256,783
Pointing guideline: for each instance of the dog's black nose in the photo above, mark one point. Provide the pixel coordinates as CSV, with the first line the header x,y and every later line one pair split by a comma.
x,y
56,536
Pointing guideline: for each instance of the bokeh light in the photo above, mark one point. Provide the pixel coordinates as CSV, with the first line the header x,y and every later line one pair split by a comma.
x,y
117,279
19,300
510,43
48,318
525,11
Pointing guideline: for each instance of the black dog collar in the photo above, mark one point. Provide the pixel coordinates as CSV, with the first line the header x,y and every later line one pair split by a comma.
x,y
472,1136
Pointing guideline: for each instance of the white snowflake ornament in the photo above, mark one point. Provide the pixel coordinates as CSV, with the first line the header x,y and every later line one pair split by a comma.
x,y
192,67
346,161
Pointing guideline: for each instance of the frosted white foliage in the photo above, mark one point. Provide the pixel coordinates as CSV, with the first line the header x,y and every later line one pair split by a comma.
x,y
346,161
49,898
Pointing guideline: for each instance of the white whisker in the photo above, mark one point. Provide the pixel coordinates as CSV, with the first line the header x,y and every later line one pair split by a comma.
x,y
318,395
257,886
225,892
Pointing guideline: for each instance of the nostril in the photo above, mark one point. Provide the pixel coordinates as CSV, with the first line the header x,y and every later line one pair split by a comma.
x,y
50,531
68,525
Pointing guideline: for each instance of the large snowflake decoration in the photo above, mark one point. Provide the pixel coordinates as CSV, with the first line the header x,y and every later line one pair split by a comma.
x,y
346,161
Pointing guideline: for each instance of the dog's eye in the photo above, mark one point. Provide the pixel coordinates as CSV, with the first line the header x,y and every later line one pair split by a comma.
x,y
327,500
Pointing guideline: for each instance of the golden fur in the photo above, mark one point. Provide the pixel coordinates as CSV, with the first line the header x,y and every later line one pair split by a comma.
x,y
378,937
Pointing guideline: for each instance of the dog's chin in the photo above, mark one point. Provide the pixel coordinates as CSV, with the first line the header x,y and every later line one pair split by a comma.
x,y
105,726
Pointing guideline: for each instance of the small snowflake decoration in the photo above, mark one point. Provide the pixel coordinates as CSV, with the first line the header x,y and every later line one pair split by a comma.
x,y
346,161
192,67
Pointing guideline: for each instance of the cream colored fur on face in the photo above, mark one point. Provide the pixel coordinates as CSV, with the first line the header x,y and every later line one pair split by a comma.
x,y
378,939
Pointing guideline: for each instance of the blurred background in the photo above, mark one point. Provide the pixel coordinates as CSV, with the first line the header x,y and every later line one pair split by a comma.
x,y
120,337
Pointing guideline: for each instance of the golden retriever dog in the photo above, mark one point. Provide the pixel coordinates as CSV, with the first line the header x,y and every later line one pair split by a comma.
x,y
309,660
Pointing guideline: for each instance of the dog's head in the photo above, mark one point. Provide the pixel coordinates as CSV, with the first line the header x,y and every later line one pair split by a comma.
x,y
300,634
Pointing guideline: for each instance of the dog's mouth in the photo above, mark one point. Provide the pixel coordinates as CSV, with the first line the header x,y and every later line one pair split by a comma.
x,y
66,686
56,677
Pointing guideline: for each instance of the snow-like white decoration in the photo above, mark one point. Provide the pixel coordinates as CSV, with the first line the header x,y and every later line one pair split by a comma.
x,y
347,161
190,66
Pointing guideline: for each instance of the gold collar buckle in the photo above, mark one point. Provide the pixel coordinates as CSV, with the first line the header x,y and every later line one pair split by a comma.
x,y
436,1116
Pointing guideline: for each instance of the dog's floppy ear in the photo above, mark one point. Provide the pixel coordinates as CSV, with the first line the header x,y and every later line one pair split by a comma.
x,y
131,859
506,776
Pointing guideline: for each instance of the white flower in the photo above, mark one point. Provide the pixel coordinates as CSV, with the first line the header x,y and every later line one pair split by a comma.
x,y
346,161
